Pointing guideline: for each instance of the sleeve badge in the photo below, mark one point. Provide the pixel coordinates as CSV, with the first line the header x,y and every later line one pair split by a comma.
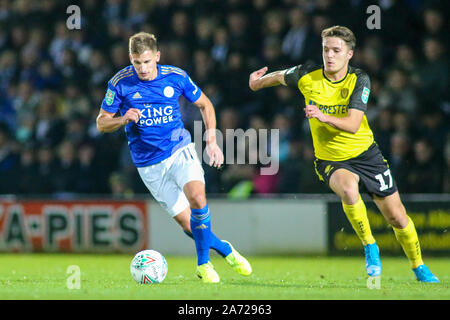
x,y
365,95
109,97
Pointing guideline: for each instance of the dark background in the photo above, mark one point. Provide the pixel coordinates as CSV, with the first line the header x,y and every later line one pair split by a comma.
x,y
53,80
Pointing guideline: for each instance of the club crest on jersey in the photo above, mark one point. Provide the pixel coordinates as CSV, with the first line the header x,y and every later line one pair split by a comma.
x,y
365,95
344,93
168,92
109,97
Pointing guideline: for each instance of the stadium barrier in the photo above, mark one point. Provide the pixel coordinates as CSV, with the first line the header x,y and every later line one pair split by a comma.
x,y
73,226
255,226
278,225
430,214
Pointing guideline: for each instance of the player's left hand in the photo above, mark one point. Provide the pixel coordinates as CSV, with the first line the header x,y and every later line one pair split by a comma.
x,y
311,111
215,154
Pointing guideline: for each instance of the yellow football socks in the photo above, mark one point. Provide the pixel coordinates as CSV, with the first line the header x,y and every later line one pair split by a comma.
x,y
357,215
410,243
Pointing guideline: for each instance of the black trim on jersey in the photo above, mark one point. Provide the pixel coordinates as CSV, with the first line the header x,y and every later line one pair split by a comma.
x,y
293,75
334,82
362,80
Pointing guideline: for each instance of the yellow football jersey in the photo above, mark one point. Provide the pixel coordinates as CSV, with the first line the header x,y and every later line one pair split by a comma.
x,y
334,99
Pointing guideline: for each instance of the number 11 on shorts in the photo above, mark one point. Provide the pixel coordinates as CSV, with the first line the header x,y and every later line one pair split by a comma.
x,y
383,185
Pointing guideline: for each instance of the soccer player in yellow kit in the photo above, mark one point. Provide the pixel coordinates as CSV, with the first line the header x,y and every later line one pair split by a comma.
x,y
336,97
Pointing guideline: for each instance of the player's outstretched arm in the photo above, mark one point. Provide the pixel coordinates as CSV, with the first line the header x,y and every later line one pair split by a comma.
x,y
106,122
209,118
259,80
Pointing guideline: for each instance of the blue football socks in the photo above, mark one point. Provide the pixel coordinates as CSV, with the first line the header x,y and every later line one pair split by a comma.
x,y
221,247
203,236
201,230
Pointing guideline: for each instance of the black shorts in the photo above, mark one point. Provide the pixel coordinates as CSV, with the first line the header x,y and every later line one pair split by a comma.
x,y
371,167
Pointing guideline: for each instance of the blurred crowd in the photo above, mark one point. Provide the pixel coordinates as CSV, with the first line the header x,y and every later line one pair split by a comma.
x,y
53,81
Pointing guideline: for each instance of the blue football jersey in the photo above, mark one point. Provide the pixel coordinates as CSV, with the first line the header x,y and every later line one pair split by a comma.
x,y
160,130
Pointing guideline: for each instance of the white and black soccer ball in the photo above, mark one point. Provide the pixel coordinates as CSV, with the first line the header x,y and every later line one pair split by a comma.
x,y
148,266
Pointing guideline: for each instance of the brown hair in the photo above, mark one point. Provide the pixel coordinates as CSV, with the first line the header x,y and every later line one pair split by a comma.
x,y
341,32
141,42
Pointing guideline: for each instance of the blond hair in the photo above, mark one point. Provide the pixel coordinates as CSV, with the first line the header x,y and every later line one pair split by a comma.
x,y
341,32
141,42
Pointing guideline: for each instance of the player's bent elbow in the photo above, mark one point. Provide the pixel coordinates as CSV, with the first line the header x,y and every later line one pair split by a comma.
x,y
102,125
352,126
354,130
101,128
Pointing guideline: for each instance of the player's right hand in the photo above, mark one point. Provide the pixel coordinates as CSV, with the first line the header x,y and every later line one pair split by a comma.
x,y
132,115
215,154
311,111
255,76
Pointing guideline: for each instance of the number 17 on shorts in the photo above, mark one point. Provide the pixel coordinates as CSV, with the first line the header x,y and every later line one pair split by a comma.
x,y
381,178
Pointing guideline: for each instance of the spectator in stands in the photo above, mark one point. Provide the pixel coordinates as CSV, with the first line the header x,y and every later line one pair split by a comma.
x,y
119,57
291,170
136,15
398,94
50,127
8,68
59,43
383,130
308,180
100,70
66,173
284,124
8,161
274,24
371,61
72,71
295,40
405,59
26,174
45,169
433,21
400,160
425,175
239,38
433,74
88,177
232,80
434,128
204,29
182,30
75,102
402,123
120,186
221,45
446,178
26,99
272,55
25,128
47,76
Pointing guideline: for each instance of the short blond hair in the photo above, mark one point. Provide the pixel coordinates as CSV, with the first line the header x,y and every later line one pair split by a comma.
x,y
341,32
141,42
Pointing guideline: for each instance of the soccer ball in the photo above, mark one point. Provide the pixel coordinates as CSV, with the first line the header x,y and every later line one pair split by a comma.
x,y
148,266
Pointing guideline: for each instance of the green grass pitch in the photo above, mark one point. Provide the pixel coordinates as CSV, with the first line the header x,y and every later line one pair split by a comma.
x,y
44,276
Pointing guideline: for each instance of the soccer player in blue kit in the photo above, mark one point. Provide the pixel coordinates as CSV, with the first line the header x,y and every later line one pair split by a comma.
x,y
146,94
